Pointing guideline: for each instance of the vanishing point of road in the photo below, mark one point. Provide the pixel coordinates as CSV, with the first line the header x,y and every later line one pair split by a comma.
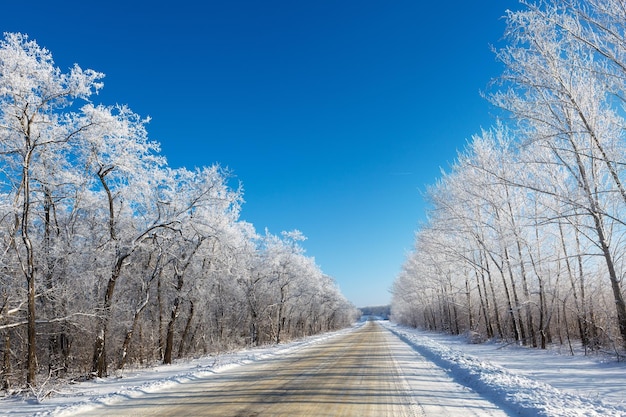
x,y
366,372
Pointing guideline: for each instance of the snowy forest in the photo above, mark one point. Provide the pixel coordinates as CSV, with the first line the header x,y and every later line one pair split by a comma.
x,y
525,238
109,257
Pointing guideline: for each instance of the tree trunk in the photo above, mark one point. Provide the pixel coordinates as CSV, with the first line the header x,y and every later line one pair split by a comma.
x,y
169,338
185,335
484,303
5,375
179,274
519,329
99,362
129,334
468,297
29,272
281,307
161,347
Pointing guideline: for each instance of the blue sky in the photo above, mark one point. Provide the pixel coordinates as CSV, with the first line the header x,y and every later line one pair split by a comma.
x,y
335,115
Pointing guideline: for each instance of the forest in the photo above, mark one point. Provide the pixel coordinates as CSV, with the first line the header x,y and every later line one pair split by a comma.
x,y
525,234
109,257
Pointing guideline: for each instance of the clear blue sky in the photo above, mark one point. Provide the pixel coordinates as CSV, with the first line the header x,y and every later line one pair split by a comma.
x,y
335,115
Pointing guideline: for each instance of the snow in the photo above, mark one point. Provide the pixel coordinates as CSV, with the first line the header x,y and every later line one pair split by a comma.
x,y
525,382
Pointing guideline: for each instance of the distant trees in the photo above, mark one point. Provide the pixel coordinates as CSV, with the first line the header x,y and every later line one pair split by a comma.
x,y
525,235
376,311
108,256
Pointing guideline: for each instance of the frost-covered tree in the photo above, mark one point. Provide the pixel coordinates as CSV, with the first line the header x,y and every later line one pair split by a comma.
x,y
108,256
529,222
41,119
563,96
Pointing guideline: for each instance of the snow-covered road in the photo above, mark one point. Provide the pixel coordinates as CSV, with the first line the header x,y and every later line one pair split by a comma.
x,y
431,374
369,372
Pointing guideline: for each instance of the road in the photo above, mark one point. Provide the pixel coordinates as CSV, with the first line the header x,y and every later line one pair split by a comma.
x,y
367,372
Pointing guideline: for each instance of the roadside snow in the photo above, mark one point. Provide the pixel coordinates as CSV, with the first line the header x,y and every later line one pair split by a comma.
x,y
525,381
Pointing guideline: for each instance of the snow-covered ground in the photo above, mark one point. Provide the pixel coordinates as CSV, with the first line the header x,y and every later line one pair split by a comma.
x,y
525,382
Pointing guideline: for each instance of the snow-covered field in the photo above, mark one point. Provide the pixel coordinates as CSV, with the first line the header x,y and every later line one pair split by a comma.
x,y
522,381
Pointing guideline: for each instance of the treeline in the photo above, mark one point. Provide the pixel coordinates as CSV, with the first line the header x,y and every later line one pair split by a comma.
x,y
109,257
525,237
382,312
